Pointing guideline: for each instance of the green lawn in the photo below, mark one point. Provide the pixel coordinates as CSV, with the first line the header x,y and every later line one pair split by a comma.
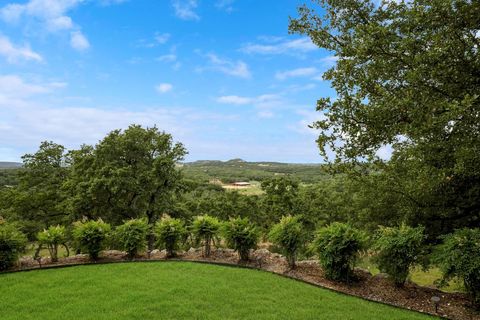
x,y
175,290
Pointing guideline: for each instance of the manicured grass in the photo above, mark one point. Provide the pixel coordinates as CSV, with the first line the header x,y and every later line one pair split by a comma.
x,y
175,290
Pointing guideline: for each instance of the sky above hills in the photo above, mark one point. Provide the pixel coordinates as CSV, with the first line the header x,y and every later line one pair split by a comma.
x,y
222,76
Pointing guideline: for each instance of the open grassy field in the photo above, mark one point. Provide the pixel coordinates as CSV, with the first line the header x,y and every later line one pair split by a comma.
x,y
175,290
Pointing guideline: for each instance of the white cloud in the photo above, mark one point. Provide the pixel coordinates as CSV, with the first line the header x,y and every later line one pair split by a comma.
x,y
111,2
14,87
308,118
78,41
329,61
233,68
185,9
235,100
225,5
44,10
164,87
300,72
162,38
51,16
167,58
275,45
261,101
60,23
266,114
14,53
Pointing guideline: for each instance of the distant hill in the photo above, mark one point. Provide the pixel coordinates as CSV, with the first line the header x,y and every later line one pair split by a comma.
x,y
241,170
10,165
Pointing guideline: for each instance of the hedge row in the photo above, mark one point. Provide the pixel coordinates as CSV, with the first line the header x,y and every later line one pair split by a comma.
x,y
338,245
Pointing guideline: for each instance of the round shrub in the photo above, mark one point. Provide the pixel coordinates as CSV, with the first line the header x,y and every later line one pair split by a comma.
x,y
205,229
338,246
241,235
289,236
12,243
397,250
52,238
131,236
91,236
459,257
169,233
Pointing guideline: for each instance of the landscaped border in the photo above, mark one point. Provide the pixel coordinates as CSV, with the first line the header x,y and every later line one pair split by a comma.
x,y
217,263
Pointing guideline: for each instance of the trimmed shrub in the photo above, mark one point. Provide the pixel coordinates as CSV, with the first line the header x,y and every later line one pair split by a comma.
x,y
397,250
241,235
91,236
289,236
459,257
205,230
12,243
52,238
170,232
338,246
131,236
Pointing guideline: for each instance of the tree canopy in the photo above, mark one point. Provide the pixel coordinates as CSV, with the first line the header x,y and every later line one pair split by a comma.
x,y
407,77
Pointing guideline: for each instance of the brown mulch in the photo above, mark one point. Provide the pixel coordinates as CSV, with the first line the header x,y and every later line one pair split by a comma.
x,y
376,288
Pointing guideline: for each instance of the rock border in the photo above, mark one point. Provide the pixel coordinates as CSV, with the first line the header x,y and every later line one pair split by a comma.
x,y
229,259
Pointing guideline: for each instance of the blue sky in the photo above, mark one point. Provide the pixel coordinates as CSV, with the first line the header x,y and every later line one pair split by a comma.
x,y
223,77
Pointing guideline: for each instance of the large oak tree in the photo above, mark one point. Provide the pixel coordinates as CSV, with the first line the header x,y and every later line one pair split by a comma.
x,y
407,76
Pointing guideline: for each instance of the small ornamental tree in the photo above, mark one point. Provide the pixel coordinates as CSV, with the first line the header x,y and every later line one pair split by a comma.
x,y
289,235
338,246
91,236
53,237
459,257
12,243
205,229
170,232
131,236
397,250
241,235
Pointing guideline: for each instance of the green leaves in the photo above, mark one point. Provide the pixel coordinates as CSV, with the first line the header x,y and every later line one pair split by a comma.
x,y
91,236
205,229
397,250
241,235
52,238
406,79
131,236
338,246
290,236
169,233
12,243
459,256
129,174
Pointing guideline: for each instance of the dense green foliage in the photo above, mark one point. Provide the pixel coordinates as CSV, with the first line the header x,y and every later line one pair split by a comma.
x,y
52,238
129,174
169,233
91,236
397,250
36,202
131,236
289,235
241,235
177,290
406,78
338,246
205,229
12,243
459,257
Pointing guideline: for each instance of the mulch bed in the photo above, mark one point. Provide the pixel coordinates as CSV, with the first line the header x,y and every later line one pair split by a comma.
x,y
376,288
